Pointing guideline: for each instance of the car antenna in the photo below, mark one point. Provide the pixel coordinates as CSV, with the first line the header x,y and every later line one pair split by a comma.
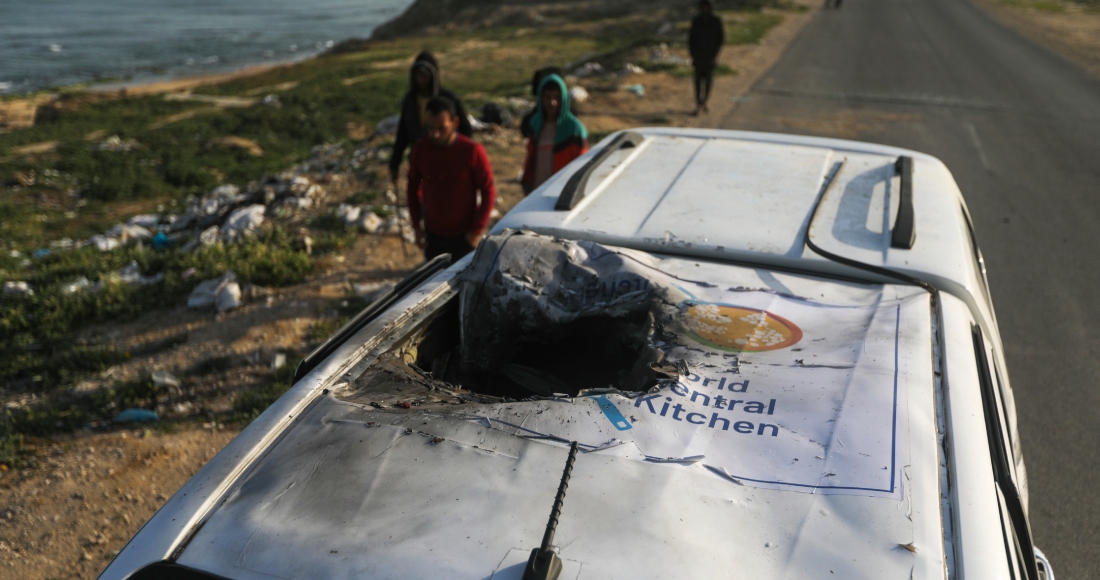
x,y
544,564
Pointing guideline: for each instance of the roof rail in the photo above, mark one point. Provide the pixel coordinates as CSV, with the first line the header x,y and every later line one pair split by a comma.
x,y
573,192
904,233
402,288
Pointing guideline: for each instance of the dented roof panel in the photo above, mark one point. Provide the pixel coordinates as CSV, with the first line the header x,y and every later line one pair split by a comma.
x,y
826,466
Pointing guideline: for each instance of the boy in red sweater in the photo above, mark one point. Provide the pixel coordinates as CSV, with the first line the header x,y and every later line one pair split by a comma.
x,y
447,172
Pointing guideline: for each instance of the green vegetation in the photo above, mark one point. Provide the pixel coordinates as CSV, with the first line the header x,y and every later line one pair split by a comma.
x,y
249,404
66,180
36,331
750,28
1041,5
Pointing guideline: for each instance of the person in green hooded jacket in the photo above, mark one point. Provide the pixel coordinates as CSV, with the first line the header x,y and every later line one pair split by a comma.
x,y
557,136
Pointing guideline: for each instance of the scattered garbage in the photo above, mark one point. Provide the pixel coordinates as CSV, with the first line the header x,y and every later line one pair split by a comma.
x,y
494,114
661,54
577,94
62,244
588,69
243,221
126,233
632,69
371,291
388,125
370,223
636,90
271,100
165,379
278,362
161,241
103,243
349,214
137,416
228,298
477,125
76,286
205,294
145,220
116,144
18,288
131,274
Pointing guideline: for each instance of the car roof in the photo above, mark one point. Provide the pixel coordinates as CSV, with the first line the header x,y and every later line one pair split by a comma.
x,y
745,196
850,479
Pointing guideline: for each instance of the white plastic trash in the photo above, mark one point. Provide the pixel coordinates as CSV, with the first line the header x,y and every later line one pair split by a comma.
x,y
578,94
205,294
78,285
144,220
209,236
370,223
103,243
229,297
165,379
349,214
18,288
242,221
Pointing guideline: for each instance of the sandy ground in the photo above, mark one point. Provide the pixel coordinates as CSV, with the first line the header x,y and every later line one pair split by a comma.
x,y
1071,29
92,491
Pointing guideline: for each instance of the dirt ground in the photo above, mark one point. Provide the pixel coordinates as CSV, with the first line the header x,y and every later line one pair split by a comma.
x,y
1068,28
92,491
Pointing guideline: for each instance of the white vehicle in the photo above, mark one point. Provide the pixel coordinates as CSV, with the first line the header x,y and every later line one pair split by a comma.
x,y
745,355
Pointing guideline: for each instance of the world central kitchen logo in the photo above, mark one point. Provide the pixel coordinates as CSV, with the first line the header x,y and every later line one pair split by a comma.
x,y
738,329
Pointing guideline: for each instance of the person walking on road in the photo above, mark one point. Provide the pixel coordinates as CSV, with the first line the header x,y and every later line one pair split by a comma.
x,y
557,136
705,41
450,185
424,84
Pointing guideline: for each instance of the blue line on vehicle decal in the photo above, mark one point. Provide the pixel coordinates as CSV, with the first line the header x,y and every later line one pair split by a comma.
x,y
612,412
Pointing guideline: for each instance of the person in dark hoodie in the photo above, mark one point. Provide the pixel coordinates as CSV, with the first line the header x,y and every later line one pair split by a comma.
x,y
424,84
557,136
705,41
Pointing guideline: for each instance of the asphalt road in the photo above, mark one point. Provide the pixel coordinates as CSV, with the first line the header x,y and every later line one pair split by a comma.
x,y
1020,129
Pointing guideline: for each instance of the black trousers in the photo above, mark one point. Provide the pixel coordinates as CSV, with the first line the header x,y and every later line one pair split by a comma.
x,y
456,246
704,78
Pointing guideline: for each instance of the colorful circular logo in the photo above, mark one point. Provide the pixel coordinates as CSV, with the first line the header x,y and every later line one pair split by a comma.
x,y
739,329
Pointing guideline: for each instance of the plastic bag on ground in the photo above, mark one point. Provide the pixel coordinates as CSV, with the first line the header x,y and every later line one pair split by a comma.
x,y
136,416
349,214
78,285
18,288
577,94
228,298
103,243
165,379
205,294
144,220
209,236
370,223
242,221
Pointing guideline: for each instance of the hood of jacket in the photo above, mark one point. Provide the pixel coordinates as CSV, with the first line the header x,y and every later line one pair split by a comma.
x,y
425,61
568,125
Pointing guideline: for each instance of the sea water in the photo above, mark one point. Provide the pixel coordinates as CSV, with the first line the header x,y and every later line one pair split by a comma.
x,y
53,43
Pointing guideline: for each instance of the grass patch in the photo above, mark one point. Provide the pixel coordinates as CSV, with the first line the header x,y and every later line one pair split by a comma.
x,y
249,404
1039,5
750,28
683,70
37,330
